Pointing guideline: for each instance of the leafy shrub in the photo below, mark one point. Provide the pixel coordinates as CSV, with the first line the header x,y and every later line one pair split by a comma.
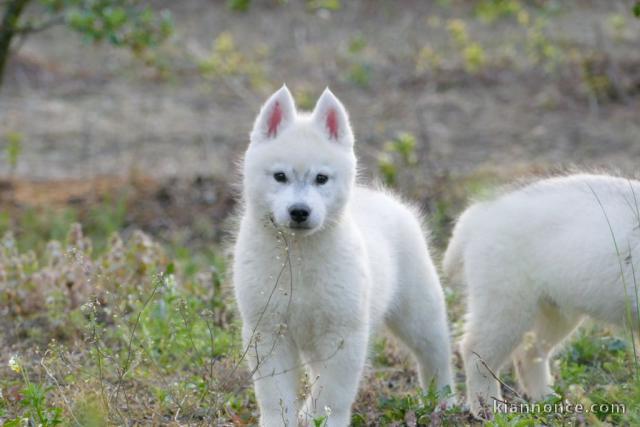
x,y
66,275
112,322
122,23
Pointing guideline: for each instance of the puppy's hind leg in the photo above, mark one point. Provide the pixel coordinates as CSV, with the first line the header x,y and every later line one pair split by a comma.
x,y
494,327
419,320
531,359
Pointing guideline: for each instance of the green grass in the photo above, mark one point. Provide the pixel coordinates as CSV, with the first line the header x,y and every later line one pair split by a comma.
x,y
155,339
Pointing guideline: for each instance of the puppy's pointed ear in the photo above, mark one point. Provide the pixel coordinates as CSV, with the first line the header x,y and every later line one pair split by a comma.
x,y
331,117
276,114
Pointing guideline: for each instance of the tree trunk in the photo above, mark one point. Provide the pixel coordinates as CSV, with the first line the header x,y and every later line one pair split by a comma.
x,y
12,12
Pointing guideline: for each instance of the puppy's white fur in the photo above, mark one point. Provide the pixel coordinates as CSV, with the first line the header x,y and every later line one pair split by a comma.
x,y
310,298
535,261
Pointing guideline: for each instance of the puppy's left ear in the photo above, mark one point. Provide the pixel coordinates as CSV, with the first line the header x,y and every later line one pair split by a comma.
x,y
331,118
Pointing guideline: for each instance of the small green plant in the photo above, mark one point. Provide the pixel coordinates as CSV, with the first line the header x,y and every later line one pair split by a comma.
x,y
360,74
387,169
617,24
13,149
423,406
474,57
106,218
399,153
357,44
304,98
226,61
239,5
541,49
332,5
32,400
320,421
595,79
473,54
428,59
405,145
492,10
358,68
380,357
458,31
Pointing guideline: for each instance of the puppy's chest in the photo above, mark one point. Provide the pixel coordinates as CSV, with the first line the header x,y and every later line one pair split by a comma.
x,y
311,298
323,302
305,287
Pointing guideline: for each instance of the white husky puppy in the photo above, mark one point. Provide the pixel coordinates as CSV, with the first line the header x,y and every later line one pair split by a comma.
x,y
320,262
535,261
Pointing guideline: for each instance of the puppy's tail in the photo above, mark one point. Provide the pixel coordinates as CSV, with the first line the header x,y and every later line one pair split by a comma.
x,y
453,262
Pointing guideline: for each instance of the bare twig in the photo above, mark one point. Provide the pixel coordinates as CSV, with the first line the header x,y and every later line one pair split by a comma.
x,y
62,393
495,377
162,379
99,354
302,365
266,306
127,363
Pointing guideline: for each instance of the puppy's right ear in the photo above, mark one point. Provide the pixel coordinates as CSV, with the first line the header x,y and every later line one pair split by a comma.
x,y
276,114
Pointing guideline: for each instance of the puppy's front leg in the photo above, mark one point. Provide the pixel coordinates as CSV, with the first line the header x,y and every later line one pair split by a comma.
x,y
336,365
274,361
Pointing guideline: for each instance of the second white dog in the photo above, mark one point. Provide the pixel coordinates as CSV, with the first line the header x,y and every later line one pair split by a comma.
x,y
535,261
320,263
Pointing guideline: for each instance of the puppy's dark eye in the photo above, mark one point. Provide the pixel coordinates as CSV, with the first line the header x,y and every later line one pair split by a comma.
x,y
321,179
280,177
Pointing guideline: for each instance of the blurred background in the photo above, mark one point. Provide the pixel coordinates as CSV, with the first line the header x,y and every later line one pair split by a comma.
x,y
437,91
123,115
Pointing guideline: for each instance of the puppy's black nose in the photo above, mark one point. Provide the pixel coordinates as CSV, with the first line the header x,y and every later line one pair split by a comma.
x,y
299,212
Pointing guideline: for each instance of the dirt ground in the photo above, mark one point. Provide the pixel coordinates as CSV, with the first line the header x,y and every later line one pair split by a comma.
x,y
89,111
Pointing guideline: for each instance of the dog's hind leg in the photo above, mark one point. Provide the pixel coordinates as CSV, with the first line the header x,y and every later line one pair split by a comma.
x,y
531,359
494,327
419,320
